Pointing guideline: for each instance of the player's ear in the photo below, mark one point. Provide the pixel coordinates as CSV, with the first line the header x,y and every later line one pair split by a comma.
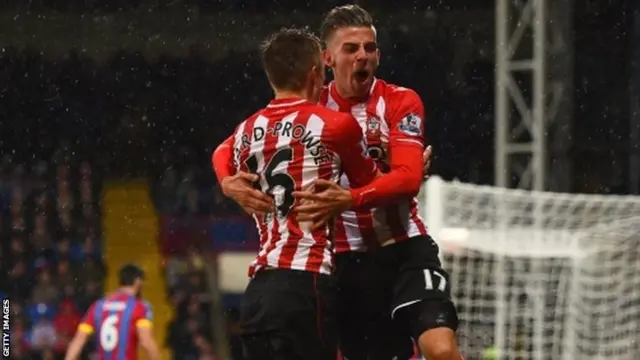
x,y
312,76
327,58
311,84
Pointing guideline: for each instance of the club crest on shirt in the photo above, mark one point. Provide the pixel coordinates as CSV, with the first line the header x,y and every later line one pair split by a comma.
x,y
410,125
373,126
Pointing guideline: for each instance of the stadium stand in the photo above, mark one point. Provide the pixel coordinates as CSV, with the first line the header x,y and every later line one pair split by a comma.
x,y
51,237
51,228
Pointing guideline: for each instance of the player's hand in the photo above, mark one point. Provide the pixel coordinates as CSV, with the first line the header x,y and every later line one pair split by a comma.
x,y
239,187
426,161
321,203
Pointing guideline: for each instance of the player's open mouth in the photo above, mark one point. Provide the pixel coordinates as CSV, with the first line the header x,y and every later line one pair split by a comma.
x,y
361,75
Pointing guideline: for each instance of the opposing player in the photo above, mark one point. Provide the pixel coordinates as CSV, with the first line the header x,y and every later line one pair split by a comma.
x,y
405,274
119,321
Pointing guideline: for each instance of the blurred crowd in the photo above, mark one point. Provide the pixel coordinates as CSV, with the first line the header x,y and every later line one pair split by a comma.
x,y
186,187
190,334
50,251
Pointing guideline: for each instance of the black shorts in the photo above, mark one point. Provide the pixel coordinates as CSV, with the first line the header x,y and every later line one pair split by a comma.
x,y
364,294
421,292
290,315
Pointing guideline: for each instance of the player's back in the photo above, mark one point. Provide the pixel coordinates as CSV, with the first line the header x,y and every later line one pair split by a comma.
x,y
114,320
289,144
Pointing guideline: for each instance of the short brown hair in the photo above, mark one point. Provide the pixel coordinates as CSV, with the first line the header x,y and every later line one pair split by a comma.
x,y
288,56
344,16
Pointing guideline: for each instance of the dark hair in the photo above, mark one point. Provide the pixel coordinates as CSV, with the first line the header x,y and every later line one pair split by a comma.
x,y
344,16
288,56
129,274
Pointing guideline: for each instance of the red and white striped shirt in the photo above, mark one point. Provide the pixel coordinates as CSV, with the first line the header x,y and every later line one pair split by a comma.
x,y
392,116
291,143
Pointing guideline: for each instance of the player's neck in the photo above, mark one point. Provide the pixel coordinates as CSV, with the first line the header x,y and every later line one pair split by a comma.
x,y
128,290
279,95
347,93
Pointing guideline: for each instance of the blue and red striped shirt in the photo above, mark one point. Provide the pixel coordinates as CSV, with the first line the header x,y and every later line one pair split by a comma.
x,y
114,320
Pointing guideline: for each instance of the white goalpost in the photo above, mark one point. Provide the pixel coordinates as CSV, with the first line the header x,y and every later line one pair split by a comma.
x,y
539,275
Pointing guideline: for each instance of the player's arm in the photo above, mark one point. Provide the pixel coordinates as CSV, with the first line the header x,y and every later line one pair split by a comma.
x,y
82,335
142,321
238,185
403,180
148,343
406,147
348,144
222,159
76,345
343,137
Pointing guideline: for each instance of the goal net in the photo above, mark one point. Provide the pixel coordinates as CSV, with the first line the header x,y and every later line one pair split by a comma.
x,y
537,275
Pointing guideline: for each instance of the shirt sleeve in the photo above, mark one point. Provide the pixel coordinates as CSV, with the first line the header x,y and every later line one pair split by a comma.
x,y
87,325
143,315
349,145
406,144
222,159
406,119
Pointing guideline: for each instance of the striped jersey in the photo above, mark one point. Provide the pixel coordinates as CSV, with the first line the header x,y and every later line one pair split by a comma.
x,y
390,116
114,320
291,143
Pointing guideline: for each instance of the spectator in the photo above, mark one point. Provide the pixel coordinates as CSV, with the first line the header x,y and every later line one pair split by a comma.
x,y
19,284
65,276
45,290
63,248
234,330
18,314
195,261
180,337
91,271
17,248
194,283
19,350
88,293
66,323
42,336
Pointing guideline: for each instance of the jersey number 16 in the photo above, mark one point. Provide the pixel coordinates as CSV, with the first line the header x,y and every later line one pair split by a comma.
x,y
273,179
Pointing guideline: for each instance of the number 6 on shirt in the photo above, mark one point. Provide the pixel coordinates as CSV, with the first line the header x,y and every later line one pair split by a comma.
x,y
109,333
